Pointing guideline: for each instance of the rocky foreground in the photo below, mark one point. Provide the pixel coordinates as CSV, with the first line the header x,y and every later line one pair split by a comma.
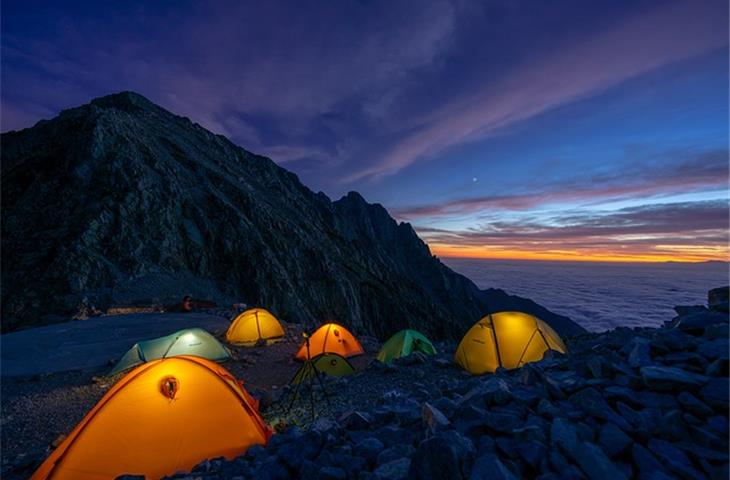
x,y
629,403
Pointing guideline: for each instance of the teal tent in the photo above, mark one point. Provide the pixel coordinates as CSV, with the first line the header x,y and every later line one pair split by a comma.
x,y
191,341
403,344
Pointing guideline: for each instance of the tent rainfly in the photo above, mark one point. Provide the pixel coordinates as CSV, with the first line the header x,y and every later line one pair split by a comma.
x,y
191,341
508,340
252,326
163,417
403,344
327,363
331,338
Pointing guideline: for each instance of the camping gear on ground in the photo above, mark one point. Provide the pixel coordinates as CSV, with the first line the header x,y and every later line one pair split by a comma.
x,y
191,341
305,377
327,363
163,417
189,304
403,344
130,309
252,326
331,338
508,340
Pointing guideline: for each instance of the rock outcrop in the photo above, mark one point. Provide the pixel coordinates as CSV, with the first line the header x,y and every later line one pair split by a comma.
x,y
120,201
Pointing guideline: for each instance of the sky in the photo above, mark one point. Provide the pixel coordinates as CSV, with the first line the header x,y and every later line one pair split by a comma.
x,y
561,130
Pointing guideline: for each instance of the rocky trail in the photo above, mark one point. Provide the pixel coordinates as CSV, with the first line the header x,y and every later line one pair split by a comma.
x,y
628,403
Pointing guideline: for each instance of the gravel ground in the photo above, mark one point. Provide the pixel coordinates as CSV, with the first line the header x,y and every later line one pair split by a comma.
x,y
36,410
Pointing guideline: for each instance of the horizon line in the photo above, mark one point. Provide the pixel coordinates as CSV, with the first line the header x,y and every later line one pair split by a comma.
x,y
557,258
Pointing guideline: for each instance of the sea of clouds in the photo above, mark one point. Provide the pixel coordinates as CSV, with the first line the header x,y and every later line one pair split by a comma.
x,y
600,296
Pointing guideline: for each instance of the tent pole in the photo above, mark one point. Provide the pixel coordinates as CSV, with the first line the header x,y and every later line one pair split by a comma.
x,y
496,341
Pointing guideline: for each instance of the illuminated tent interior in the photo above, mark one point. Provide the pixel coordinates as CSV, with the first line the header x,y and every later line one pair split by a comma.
x,y
326,363
508,340
252,326
191,341
163,417
331,338
403,344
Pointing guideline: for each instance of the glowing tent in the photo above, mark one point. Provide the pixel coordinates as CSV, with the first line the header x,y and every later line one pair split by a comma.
x,y
403,344
162,417
331,338
191,341
506,339
326,363
254,325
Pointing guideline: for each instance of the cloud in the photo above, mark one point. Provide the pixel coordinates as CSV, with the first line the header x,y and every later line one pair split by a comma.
x,y
670,173
683,229
586,67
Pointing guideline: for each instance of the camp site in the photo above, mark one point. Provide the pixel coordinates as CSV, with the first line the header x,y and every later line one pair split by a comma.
x,y
365,240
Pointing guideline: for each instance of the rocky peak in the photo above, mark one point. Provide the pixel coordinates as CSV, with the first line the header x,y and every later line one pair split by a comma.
x,y
126,101
121,201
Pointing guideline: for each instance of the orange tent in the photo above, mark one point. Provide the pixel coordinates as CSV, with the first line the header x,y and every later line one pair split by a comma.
x,y
162,417
331,338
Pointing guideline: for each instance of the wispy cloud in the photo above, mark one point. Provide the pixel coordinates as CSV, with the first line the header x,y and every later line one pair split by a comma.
x,y
670,173
684,230
667,34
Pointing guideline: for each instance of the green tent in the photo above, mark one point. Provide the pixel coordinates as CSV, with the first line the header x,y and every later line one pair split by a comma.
x,y
327,363
403,344
191,341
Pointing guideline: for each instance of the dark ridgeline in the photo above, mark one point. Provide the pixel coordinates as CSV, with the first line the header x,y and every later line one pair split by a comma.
x,y
121,201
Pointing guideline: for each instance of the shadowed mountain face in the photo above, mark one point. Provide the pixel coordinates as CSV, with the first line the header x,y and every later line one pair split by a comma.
x,y
120,201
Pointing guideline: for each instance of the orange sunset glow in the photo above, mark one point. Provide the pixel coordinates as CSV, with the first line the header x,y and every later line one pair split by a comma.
x,y
658,254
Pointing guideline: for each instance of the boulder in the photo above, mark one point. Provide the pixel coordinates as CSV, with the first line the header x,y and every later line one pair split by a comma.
x,y
445,455
502,422
595,463
674,459
596,367
640,355
715,393
434,419
369,449
693,405
696,323
717,298
612,440
496,391
714,349
395,452
683,310
490,467
332,473
645,461
354,420
531,451
671,378
593,403
564,434
393,470
717,331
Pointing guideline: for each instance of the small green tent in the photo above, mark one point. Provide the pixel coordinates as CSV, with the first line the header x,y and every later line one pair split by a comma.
x,y
403,344
191,341
327,363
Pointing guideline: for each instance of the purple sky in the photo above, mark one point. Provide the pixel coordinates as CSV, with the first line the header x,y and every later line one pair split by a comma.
x,y
472,120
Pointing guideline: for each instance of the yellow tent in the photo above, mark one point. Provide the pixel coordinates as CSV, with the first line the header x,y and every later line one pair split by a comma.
x,y
506,339
254,325
325,363
164,416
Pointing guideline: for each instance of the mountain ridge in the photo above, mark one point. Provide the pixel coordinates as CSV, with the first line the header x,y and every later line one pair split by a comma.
x,y
120,200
